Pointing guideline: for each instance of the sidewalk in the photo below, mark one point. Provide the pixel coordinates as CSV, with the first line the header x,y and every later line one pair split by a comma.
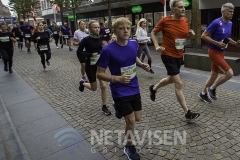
x,y
31,129
44,116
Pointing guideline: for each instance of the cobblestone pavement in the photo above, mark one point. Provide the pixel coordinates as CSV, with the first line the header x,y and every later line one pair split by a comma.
x,y
163,131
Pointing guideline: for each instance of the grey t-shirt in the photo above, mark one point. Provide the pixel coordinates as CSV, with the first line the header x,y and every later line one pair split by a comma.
x,y
79,35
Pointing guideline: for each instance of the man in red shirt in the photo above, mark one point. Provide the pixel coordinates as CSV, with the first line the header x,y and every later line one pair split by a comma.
x,y
175,33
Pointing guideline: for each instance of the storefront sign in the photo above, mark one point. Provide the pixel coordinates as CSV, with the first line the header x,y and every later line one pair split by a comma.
x,y
186,3
78,16
136,9
70,17
8,19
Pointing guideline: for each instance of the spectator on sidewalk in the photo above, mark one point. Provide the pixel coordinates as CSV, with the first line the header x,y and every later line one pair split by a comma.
x,y
143,40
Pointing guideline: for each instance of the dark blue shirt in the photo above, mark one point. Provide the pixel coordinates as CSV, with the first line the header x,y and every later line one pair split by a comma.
x,y
65,30
219,30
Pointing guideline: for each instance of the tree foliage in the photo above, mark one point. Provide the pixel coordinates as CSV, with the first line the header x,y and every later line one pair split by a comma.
x,y
69,5
23,7
121,3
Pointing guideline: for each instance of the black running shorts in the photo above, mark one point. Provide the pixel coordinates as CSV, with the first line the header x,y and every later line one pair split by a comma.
x,y
91,71
127,105
172,64
82,59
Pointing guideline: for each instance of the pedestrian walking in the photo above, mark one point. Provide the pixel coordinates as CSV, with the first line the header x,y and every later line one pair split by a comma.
x,y
143,39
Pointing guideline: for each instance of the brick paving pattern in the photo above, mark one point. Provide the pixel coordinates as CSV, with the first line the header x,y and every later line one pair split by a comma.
x,y
215,135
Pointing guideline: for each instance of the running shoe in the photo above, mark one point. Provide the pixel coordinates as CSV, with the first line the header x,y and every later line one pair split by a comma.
x,y
84,79
151,71
131,153
48,63
81,87
106,110
117,113
70,49
204,98
5,68
57,47
191,115
10,70
44,68
62,46
212,93
152,92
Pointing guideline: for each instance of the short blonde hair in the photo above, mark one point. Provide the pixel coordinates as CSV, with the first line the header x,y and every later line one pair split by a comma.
x,y
120,21
91,22
140,23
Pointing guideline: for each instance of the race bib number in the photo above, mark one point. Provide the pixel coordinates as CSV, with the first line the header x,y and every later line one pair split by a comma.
x,y
179,43
94,59
17,38
43,47
55,32
107,31
27,35
4,39
130,70
65,36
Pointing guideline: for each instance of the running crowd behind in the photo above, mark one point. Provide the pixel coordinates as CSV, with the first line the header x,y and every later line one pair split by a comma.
x,y
122,52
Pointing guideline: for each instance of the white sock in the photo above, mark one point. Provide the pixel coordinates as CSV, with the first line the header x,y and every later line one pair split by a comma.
x,y
203,93
211,88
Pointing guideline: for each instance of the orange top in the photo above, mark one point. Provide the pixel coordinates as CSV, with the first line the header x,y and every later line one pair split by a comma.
x,y
174,35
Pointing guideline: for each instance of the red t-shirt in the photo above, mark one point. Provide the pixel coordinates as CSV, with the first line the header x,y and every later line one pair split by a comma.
x,y
174,34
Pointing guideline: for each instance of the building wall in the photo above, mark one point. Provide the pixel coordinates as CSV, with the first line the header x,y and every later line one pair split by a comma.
x,y
4,11
209,4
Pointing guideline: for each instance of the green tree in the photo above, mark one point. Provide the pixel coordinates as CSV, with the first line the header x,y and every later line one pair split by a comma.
x,y
23,7
69,5
121,3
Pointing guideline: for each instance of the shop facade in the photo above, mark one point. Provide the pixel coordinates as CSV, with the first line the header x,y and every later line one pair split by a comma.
x,y
211,11
153,12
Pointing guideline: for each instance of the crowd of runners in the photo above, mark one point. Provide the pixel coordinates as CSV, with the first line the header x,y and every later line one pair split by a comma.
x,y
101,48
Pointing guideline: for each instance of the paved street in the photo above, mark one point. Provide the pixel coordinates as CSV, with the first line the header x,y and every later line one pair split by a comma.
x,y
163,131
